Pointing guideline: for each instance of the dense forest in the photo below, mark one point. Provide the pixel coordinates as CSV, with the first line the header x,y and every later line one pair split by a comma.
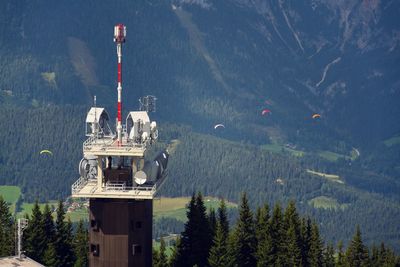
x,y
210,163
48,240
276,237
266,237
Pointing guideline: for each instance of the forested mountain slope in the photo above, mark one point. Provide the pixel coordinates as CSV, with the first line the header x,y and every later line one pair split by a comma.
x,y
212,62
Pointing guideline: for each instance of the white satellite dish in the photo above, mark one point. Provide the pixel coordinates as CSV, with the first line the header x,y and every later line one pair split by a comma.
x,y
88,167
140,177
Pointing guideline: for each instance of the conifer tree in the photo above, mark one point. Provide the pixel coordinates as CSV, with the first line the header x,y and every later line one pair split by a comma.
x,y
245,239
80,245
212,221
328,255
219,249
276,257
341,260
175,255
315,255
386,257
6,229
263,236
48,225
223,218
35,239
357,252
232,249
63,239
50,256
162,257
292,241
375,259
305,240
196,238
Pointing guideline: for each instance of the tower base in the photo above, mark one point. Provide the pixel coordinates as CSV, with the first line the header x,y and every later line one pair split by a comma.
x,y
120,232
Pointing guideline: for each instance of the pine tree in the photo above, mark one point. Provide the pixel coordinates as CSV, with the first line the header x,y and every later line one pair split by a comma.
x,y
196,238
6,230
48,225
305,241
162,257
212,221
35,239
232,250
328,256
50,256
63,239
223,218
80,245
263,236
245,239
357,252
375,259
275,256
292,242
175,255
219,249
341,260
315,255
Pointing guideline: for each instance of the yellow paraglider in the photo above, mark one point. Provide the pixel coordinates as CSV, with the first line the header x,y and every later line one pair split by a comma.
x,y
46,151
316,115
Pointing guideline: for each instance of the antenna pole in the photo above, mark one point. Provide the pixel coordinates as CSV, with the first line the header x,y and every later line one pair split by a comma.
x,y
119,38
22,224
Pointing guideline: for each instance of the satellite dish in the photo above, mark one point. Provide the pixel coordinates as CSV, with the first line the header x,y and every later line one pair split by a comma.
x,y
88,167
140,177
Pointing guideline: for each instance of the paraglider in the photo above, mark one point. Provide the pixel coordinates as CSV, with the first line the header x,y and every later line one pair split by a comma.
x,y
266,111
316,115
45,151
219,125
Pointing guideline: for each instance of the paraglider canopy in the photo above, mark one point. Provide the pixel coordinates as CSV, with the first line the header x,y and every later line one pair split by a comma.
x,y
219,125
265,111
45,151
316,115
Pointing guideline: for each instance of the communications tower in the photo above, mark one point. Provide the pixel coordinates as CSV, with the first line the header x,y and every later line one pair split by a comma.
x,y
119,182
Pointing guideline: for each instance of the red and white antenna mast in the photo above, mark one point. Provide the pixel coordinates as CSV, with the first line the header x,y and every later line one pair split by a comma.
x,y
119,38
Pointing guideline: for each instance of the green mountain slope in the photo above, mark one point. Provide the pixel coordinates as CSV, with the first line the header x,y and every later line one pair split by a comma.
x,y
212,62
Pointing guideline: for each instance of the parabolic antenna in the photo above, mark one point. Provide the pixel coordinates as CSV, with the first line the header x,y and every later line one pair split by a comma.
x,y
140,177
88,167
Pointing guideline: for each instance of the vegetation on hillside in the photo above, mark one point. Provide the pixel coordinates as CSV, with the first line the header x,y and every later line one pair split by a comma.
x,y
276,237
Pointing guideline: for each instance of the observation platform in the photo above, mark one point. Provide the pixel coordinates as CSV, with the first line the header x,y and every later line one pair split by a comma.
x,y
84,188
109,146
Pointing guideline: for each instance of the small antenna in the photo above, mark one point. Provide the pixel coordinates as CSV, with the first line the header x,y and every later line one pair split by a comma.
x,y
95,130
22,224
147,103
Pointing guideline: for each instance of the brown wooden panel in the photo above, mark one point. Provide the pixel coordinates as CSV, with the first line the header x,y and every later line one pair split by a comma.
x,y
119,227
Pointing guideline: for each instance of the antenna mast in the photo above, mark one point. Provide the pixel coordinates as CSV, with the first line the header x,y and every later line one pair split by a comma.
x,y
22,224
119,38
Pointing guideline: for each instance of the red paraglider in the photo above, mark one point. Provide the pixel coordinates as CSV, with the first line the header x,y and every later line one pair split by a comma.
x,y
265,112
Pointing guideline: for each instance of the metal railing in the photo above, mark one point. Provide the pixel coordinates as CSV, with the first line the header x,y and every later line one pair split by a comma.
x,y
103,143
110,186
78,185
113,187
